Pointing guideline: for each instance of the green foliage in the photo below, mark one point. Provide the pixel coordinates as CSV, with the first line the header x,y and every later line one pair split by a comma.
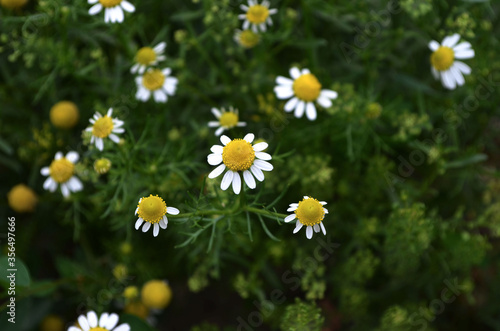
x,y
302,316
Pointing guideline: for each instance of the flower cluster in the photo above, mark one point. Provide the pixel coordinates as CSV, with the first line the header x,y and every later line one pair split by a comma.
x,y
257,16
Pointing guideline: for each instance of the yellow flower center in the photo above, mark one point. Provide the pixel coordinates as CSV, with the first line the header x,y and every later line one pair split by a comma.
x,y
443,58
145,55
307,87
228,119
257,14
61,170
102,166
248,38
98,328
152,209
153,80
310,212
22,199
238,155
102,127
156,294
64,114
110,3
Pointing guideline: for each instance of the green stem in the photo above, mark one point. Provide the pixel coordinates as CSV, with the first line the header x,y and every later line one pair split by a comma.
x,y
236,208
264,212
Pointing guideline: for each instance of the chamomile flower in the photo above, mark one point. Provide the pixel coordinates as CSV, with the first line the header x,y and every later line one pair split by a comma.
x,y
257,15
239,156
107,322
158,83
246,38
151,211
147,56
104,127
303,89
113,9
62,172
225,120
309,212
444,64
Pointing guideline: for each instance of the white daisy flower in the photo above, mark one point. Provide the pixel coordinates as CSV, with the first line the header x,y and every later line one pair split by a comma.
x,y
107,322
238,155
104,127
152,210
444,65
147,56
113,9
303,90
246,38
308,212
158,83
257,15
225,120
61,172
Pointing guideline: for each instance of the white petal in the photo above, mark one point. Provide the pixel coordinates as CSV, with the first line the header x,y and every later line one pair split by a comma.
x,y
114,138
156,230
127,6
217,149
435,73
246,24
58,156
225,140
299,110
249,137
294,73
160,96
65,190
214,159
236,183
448,80
146,226
75,184
226,180
213,124
280,80
244,8
451,41
166,71
263,156
266,166
92,319
273,11
257,173
324,101
99,144
323,203
323,228
172,211
316,228
135,68
83,323
50,184
119,14
107,15
329,94
95,9
291,104
45,171
219,131
216,112
309,232
298,226
249,180
433,45
260,146
74,328
103,319
138,223
462,46
311,111
464,54
217,171
160,47
163,223
464,68
110,112
289,218
459,78
122,327
111,322
291,209
283,92
305,71
91,2
72,157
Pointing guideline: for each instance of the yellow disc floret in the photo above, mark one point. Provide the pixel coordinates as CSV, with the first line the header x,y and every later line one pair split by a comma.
x,y
152,209
257,14
102,127
153,79
130,292
443,58
228,119
307,87
248,38
110,3
22,199
98,328
156,294
61,170
238,155
13,4
102,166
145,56
64,114
310,212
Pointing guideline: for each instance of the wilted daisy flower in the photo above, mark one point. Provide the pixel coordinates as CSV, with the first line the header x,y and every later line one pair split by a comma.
x,y
257,15
303,90
155,81
308,212
225,120
106,322
238,155
147,56
113,9
444,65
104,127
152,210
246,38
61,172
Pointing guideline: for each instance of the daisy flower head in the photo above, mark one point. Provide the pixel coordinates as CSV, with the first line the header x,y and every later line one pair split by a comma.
x,y
225,120
62,172
107,322
444,64
156,82
246,38
303,89
257,15
104,127
147,56
239,156
113,9
152,210
309,212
